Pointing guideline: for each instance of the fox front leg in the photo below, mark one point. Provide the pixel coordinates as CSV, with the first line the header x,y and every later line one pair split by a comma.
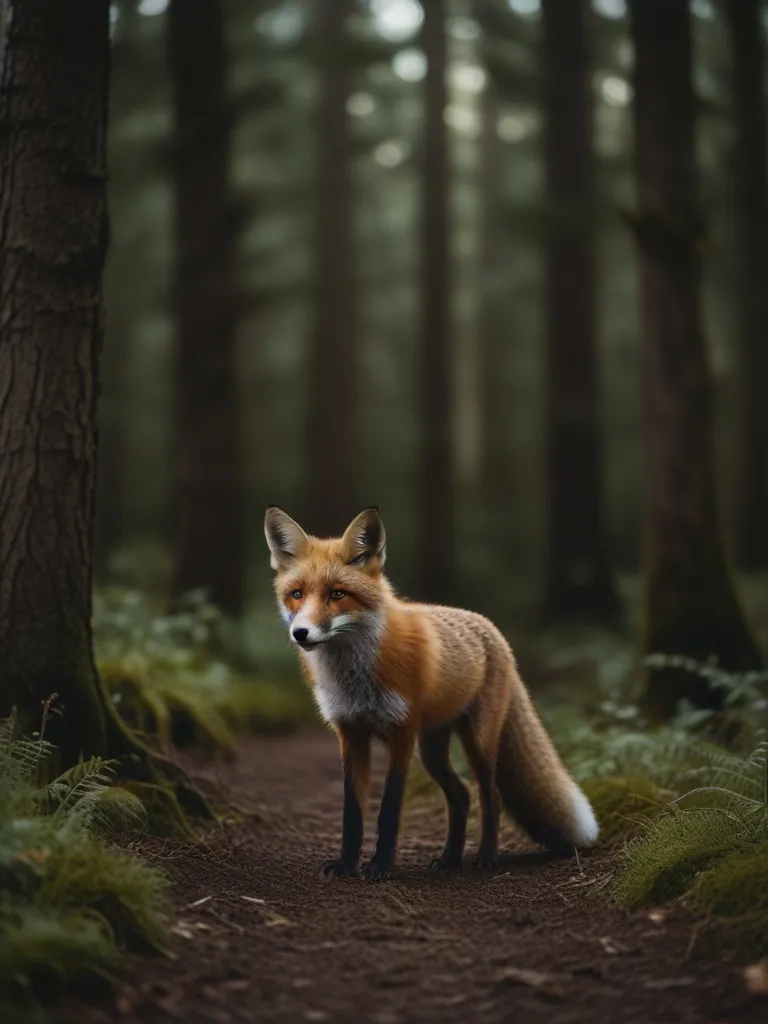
x,y
400,752
356,763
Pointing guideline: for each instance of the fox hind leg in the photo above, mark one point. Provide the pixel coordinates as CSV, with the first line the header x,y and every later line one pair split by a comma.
x,y
434,749
480,738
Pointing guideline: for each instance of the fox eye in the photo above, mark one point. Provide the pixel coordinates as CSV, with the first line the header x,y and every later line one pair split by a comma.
x,y
336,595
297,594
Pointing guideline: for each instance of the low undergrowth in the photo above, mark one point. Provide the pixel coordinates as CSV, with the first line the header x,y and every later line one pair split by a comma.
x,y
709,849
186,677
69,899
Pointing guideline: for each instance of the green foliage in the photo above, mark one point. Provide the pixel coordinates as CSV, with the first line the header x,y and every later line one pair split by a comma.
x,y
106,881
744,703
67,897
187,677
47,951
623,805
710,847
662,864
735,892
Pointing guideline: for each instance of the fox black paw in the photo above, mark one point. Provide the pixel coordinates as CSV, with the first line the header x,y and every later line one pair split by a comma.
x,y
377,871
484,861
446,863
338,869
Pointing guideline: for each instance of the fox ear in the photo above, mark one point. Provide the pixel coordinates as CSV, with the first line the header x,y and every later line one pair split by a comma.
x,y
365,539
285,538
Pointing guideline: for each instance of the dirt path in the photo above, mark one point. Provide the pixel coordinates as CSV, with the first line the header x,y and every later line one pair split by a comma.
x,y
260,937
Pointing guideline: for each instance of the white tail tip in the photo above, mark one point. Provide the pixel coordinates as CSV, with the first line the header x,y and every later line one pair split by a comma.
x,y
584,829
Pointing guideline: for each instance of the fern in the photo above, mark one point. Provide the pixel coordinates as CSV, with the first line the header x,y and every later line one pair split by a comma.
x,y
736,784
66,896
707,843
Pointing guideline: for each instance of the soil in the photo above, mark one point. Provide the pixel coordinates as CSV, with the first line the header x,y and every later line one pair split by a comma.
x,y
260,936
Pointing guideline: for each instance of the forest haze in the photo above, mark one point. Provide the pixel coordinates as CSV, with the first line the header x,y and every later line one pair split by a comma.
x,y
400,319
477,288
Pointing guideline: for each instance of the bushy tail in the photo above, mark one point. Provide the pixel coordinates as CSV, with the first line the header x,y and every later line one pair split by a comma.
x,y
535,786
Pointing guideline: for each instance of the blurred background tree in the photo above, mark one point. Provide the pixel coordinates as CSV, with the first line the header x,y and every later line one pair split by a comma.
x,y
207,488
433,300
690,603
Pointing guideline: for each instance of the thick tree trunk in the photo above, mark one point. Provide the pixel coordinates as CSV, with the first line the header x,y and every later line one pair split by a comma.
x,y
208,489
333,421
435,464
53,240
579,583
745,18
109,492
691,607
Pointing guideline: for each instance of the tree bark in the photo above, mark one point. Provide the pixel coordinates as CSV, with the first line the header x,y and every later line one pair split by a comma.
x,y
579,582
332,447
745,20
108,534
208,488
435,463
53,241
691,606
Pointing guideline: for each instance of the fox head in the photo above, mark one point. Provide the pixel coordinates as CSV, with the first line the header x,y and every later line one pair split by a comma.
x,y
327,590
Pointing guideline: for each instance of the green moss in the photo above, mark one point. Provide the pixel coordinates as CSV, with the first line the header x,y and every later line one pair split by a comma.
x,y
735,892
46,951
164,814
67,897
88,874
624,805
663,864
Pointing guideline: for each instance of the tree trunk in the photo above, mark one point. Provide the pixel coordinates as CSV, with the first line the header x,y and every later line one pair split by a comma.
x,y
121,310
579,582
333,419
208,488
435,464
691,607
109,492
53,240
745,19
494,464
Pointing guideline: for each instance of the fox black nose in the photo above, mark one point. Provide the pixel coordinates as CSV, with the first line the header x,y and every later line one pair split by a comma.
x,y
300,635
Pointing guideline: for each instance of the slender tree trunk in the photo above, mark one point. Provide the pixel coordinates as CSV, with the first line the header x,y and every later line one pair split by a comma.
x,y
110,475
53,240
333,421
435,465
494,468
691,607
745,19
579,582
208,488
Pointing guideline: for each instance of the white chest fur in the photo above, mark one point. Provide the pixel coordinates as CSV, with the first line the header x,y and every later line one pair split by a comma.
x,y
346,689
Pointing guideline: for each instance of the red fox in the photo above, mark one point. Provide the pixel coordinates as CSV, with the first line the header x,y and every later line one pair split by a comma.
x,y
383,667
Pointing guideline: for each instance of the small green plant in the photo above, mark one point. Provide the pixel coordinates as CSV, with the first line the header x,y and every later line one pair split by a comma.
x,y
186,678
68,898
745,707
706,848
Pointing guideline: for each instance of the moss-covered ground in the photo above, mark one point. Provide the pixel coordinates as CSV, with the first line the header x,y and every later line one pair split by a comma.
x,y
69,898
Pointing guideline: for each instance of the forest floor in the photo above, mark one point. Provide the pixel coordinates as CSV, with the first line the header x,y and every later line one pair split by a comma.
x,y
259,936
